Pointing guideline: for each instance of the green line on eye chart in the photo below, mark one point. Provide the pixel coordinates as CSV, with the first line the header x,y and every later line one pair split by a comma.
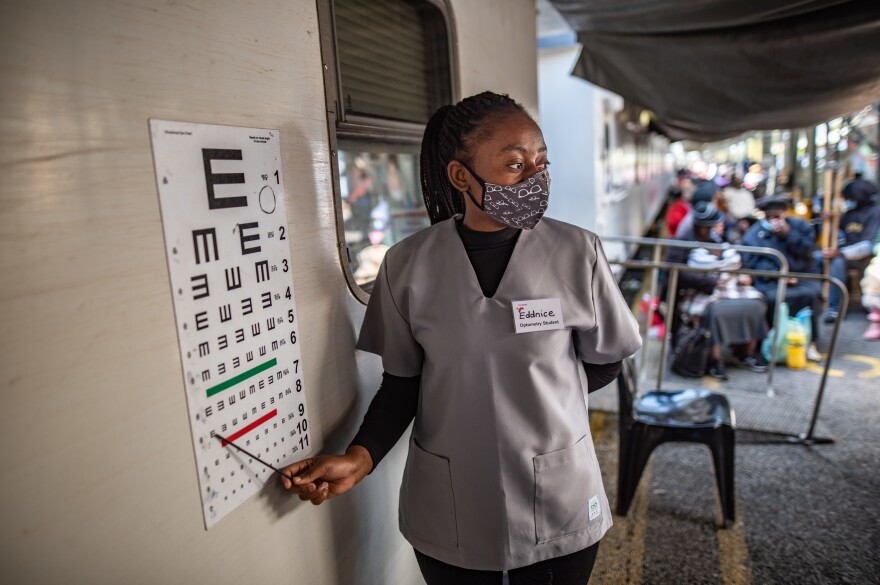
x,y
241,377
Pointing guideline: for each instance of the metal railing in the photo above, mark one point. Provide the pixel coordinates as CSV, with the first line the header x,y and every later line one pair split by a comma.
x,y
659,244
782,275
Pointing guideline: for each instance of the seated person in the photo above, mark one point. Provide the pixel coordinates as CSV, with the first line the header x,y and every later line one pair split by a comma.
x,y
859,226
796,240
677,210
705,192
740,201
730,223
727,304
871,296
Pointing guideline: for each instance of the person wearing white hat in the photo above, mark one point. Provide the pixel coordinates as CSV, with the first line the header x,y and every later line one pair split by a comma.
x,y
727,305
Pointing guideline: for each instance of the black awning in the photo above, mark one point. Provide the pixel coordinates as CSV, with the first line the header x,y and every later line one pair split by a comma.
x,y
711,69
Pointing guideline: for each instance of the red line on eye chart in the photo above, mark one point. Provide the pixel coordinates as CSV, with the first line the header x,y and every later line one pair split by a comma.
x,y
250,427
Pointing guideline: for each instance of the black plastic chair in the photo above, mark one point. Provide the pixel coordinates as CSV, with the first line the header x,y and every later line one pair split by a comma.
x,y
659,416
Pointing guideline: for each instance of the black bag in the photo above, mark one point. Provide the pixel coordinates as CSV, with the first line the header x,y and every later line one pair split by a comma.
x,y
691,355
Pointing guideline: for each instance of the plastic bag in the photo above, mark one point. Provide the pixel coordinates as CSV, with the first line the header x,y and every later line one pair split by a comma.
x,y
781,349
802,319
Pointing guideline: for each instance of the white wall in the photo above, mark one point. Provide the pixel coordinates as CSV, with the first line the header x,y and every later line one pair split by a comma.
x,y
568,121
497,52
99,482
602,196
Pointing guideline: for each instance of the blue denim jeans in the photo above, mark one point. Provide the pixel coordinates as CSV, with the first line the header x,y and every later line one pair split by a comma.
x,y
838,271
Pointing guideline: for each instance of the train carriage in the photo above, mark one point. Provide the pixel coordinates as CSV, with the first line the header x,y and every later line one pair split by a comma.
x,y
106,418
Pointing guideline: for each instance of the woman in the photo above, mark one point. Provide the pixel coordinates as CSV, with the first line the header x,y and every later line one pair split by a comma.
x,y
678,207
481,321
728,305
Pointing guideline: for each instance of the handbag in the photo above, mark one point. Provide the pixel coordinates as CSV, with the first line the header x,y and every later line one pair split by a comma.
x,y
691,354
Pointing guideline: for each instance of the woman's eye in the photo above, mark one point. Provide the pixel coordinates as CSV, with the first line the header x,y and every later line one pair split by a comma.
x,y
545,165
516,166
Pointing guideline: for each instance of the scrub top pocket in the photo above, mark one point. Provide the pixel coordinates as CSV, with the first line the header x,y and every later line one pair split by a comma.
x,y
564,485
427,502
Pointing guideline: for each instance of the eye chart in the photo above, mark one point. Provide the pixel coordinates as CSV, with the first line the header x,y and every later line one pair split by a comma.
x,y
226,236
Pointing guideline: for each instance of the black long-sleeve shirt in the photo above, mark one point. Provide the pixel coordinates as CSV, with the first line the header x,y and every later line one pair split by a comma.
x,y
395,404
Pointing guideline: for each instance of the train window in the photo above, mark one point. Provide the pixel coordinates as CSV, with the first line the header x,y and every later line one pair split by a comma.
x,y
388,64
381,204
393,59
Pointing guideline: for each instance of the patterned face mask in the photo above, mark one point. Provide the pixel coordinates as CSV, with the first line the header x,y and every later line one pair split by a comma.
x,y
519,206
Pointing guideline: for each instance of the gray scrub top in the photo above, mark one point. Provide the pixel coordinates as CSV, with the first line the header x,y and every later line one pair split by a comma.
x,y
501,471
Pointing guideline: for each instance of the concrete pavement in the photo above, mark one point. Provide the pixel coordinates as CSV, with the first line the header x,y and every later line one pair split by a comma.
x,y
807,514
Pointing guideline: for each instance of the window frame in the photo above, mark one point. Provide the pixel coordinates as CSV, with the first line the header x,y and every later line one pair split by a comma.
x,y
362,129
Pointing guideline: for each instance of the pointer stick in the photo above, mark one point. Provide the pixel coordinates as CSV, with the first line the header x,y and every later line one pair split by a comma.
x,y
228,442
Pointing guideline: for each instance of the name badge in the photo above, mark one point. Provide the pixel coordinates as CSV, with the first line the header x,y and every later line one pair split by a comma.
x,y
537,315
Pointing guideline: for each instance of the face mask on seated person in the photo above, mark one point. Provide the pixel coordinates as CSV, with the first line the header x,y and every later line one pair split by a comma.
x,y
771,225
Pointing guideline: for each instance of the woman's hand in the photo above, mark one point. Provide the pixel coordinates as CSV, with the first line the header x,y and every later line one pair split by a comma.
x,y
318,479
744,279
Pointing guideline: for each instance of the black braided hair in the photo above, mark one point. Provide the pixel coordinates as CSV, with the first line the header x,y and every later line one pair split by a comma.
x,y
448,136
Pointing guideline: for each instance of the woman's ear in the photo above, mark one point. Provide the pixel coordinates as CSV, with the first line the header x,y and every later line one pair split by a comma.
x,y
458,176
